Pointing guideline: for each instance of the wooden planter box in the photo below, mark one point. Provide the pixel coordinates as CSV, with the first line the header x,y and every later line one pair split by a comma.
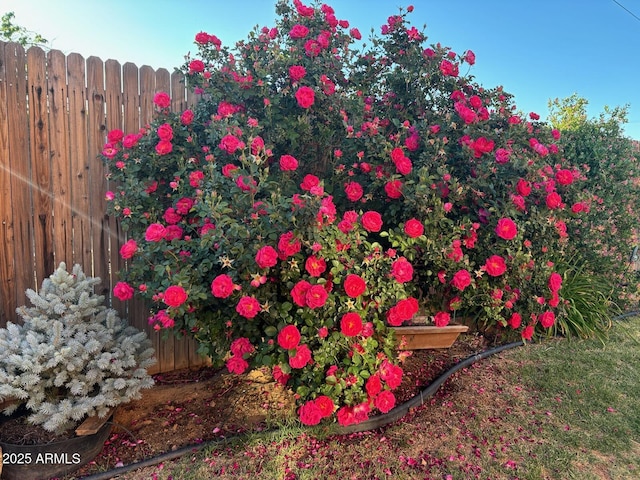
x,y
419,337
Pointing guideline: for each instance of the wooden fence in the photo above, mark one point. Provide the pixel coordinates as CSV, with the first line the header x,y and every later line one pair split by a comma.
x,y
55,113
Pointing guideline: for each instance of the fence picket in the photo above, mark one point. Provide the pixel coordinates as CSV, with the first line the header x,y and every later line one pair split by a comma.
x,y
40,163
19,166
55,113
7,254
60,165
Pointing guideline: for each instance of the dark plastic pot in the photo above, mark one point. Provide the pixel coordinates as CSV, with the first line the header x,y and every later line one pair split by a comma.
x,y
55,459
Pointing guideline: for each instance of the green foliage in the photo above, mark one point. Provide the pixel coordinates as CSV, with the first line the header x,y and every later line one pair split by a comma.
x,y
311,169
10,32
588,304
568,113
610,163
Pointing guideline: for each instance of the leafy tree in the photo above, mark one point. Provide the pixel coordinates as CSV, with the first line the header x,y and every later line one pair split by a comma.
x,y
610,163
567,113
10,32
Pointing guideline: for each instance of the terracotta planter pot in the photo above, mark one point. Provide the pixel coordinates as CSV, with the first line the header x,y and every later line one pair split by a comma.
x,y
417,337
55,459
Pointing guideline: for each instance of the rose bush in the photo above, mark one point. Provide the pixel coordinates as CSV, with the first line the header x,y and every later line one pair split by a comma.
x,y
318,194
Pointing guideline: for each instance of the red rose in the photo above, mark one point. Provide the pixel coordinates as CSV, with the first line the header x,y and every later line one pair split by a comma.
x,y
547,319
385,401
351,324
403,166
129,249
354,191
502,155
515,320
523,187
196,66
287,245
288,163
222,286
371,221
174,296
187,117
279,376
480,146
173,232
373,385
413,228
393,189
257,145
248,307
297,73
361,411
555,282
289,337
564,177
240,346
115,135
299,293
402,311
448,69
391,374
301,358
441,319
402,270
236,364
195,178
162,100
554,200
346,416
506,229
226,109
519,202
266,257
164,147
354,285
131,140
579,207
309,181
230,144
228,169
527,333
316,296
470,57
305,96
171,217
298,31
184,205
325,404
495,266
309,413
123,291
315,266
165,132
155,232
461,279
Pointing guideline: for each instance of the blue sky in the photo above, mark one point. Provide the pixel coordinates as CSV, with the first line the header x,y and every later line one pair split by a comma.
x,y
535,49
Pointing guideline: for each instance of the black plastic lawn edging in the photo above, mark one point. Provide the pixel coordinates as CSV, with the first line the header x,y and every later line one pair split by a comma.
x,y
371,424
